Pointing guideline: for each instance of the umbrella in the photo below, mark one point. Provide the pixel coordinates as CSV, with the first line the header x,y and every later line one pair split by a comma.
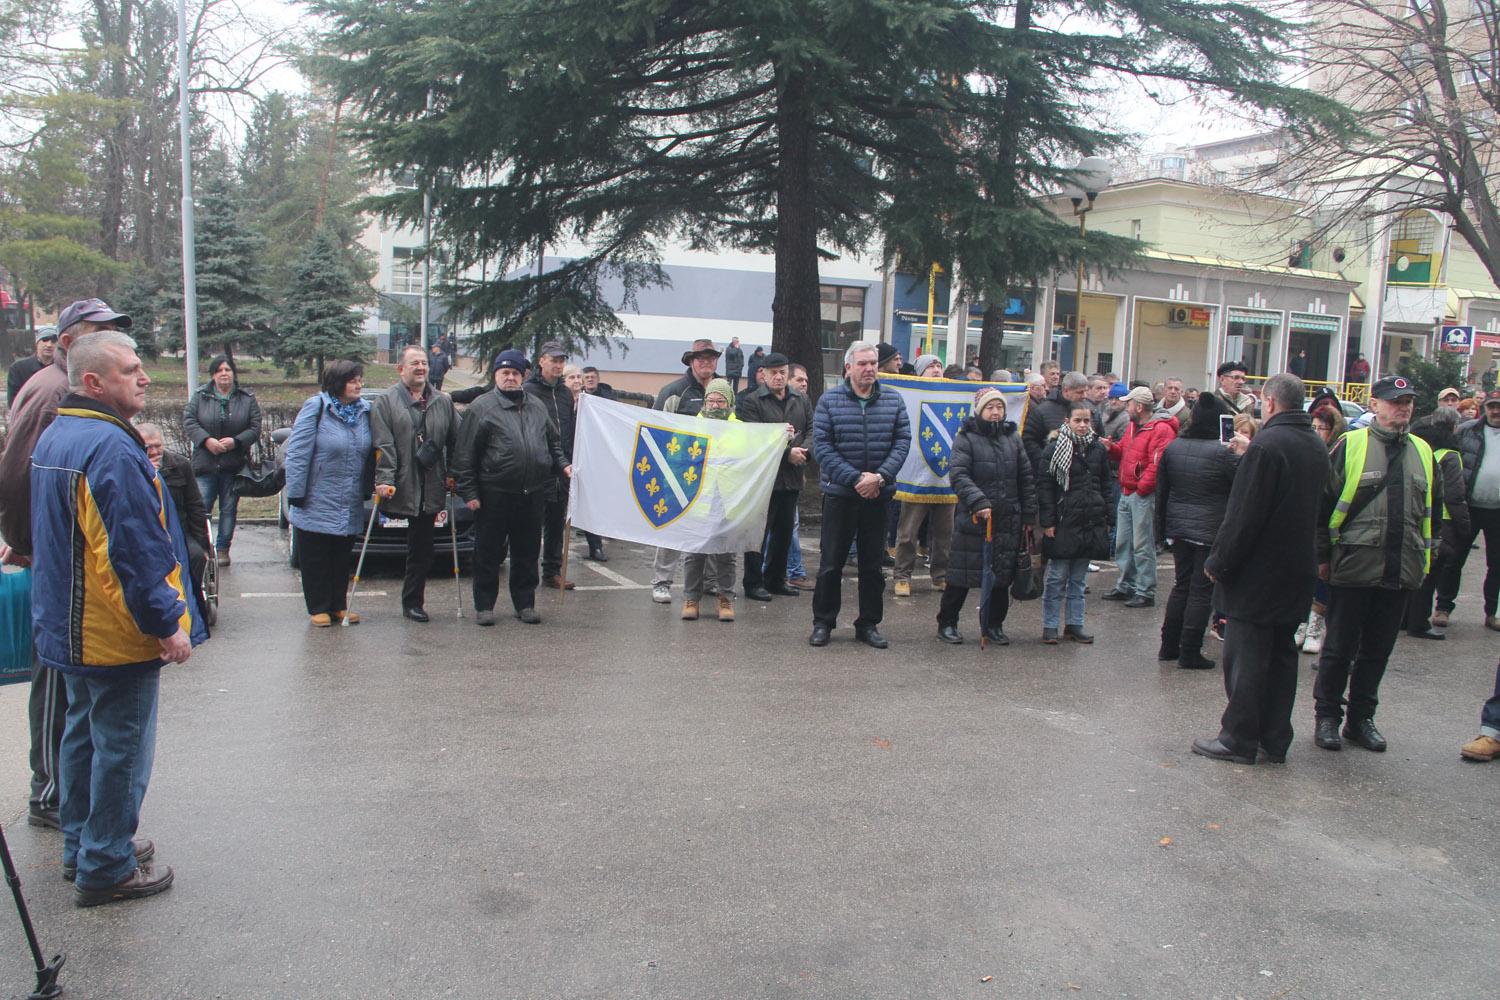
x,y
986,581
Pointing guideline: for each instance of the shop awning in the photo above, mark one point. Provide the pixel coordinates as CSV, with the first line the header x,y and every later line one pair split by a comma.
x,y
1254,318
1315,324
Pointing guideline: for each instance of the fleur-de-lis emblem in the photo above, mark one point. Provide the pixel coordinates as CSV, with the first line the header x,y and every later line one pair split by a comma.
x,y
661,506
943,464
643,466
937,449
674,446
963,411
690,476
695,451
926,433
948,413
653,487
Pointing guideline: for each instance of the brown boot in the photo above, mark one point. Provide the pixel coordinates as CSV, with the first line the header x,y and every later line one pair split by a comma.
x,y
558,583
689,611
141,883
1481,748
726,609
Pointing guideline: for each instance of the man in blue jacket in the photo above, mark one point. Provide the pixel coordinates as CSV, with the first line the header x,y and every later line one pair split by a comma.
x,y
860,438
110,608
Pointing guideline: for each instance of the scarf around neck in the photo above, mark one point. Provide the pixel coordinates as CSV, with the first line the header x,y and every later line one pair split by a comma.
x,y
348,413
1062,456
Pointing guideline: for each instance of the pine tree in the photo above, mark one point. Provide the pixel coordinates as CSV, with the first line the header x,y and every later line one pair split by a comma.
x,y
234,310
319,315
788,126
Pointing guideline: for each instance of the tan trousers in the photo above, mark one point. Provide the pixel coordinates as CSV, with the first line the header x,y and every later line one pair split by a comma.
x,y
939,518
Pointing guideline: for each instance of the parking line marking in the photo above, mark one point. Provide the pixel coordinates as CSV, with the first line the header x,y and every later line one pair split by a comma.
x,y
609,574
298,593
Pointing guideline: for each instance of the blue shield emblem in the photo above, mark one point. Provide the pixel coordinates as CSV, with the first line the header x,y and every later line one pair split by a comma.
x,y
666,472
935,431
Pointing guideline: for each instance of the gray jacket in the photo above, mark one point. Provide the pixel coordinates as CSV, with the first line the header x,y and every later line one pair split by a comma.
x,y
397,429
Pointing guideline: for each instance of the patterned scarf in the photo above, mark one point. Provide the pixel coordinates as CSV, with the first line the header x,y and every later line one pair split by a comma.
x,y
1062,455
349,413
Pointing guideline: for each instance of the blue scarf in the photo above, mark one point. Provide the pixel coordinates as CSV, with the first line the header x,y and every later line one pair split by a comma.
x,y
349,413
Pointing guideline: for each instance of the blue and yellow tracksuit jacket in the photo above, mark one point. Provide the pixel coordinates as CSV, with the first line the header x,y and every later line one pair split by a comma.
x,y
108,551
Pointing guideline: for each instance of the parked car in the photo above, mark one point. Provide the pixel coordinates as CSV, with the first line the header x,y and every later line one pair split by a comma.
x,y
388,536
1352,410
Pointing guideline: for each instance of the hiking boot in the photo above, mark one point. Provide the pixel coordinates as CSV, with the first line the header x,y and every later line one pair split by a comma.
x,y
321,620
726,609
556,582
689,611
1481,748
902,588
1049,636
144,851
141,883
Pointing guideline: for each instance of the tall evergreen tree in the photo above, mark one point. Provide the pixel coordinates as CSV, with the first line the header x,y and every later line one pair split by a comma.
x,y
319,319
784,125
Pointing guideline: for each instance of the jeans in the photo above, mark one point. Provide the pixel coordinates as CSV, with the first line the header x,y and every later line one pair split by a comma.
x,y
1362,626
794,568
108,745
1482,520
510,521
220,486
1135,545
1489,716
1260,678
845,520
1064,575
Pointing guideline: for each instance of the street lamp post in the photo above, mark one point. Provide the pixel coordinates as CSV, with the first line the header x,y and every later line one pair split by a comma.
x,y
1090,177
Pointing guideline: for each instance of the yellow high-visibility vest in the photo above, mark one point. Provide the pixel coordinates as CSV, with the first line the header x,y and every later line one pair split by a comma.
x,y
1356,446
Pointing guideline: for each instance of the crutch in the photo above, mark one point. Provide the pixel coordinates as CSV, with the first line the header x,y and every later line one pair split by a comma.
x,y
46,972
458,586
359,566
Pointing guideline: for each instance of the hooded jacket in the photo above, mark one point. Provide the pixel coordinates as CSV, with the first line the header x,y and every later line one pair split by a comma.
x,y
110,580
1139,452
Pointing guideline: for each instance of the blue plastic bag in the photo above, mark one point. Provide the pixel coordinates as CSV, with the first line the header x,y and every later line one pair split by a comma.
x,y
15,626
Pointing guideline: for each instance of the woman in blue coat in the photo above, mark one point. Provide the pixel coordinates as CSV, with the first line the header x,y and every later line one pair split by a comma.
x,y
330,471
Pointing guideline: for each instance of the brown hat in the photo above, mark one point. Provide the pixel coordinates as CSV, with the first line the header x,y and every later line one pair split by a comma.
x,y
702,348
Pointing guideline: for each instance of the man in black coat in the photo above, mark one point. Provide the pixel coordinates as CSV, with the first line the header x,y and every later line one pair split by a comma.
x,y
1265,564
546,384
774,403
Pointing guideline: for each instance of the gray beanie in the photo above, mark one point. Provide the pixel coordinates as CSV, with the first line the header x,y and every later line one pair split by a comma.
x,y
923,360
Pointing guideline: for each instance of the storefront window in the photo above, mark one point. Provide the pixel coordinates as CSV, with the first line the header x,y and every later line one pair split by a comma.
x,y
1250,334
842,321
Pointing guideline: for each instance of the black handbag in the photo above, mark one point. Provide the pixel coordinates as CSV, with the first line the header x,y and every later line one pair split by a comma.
x,y
1027,585
260,479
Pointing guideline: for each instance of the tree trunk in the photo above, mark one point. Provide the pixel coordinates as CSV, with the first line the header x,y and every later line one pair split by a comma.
x,y
794,309
114,32
991,332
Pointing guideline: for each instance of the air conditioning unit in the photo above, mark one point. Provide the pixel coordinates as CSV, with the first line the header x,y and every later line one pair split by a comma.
x,y
1178,316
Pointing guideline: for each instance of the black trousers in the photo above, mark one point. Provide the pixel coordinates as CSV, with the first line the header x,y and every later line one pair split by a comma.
x,y
780,515
1188,605
554,516
1481,521
952,605
846,520
513,520
419,535
1419,604
47,710
1260,678
1363,623
326,566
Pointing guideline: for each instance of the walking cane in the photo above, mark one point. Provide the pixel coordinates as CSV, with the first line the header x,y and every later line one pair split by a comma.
x,y
359,566
453,531
567,544
46,972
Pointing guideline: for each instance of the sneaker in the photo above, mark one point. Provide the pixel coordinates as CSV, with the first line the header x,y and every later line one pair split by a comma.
x,y
689,611
1317,627
1481,748
726,609
1300,635
223,557
903,588
142,882
1093,567
661,593
485,618
1440,619
1491,622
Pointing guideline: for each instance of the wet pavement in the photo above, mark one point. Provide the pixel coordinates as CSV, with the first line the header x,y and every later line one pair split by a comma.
x,y
617,803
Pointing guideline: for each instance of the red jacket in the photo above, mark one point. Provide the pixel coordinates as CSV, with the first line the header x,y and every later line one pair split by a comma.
x,y
1139,453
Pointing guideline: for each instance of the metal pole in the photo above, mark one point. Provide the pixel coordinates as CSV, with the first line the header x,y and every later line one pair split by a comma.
x,y
189,254
426,251
1080,363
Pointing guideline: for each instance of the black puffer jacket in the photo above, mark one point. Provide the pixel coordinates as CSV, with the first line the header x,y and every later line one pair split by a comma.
x,y
1469,440
1042,419
506,446
1193,482
206,417
1081,515
989,469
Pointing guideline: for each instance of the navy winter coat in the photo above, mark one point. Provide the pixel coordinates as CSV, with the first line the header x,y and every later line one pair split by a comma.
x,y
851,436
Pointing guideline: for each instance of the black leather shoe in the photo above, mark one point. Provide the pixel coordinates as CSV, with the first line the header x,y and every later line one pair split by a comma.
x,y
1195,661
529,616
1214,750
1267,757
1141,602
141,883
949,634
1167,654
1327,735
784,591
997,636
597,554
43,817
1117,595
819,637
1430,633
758,594
415,614
870,637
1077,634
1363,733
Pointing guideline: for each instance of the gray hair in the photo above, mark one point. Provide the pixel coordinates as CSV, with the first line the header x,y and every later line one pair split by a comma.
x,y
1288,390
859,347
1445,416
147,429
1001,375
1074,380
1035,378
92,351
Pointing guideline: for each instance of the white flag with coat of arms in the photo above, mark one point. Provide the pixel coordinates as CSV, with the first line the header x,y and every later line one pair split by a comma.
x,y
936,409
686,483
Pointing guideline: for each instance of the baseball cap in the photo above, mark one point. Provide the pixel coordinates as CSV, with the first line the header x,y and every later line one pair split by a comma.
x,y
93,311
1119,390
1392,387
46,333
552,349
511,358
1140,394
1493,396
1450,391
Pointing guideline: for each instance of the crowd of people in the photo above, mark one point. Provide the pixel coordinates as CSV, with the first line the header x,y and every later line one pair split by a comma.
x,y
1288,529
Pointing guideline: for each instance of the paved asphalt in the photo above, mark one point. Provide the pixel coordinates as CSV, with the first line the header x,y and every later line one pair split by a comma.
x,y
620,804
